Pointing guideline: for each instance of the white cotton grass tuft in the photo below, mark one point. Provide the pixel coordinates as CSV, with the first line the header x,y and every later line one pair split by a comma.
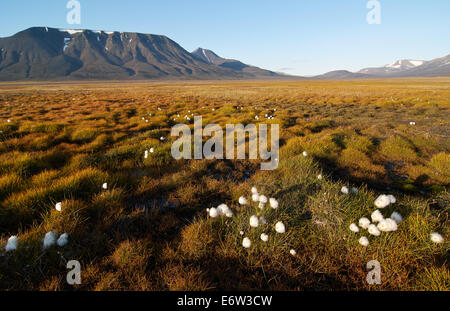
x,y
146,154
319,177
391,198
254,190
377,216
373,230
254,221
58,206
387,225
152,150
213,213
105,186
241,232
273,203
344,190
255,197
354,228
49,239
293,252
364,223
264,237
280,227
305,154
63,240
397,217
262,201
242,201
12,243
223,209
364,241
436,238
246,243
382,201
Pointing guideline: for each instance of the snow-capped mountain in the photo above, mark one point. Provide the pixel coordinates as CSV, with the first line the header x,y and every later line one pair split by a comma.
x,y
65,54
210,57
396,67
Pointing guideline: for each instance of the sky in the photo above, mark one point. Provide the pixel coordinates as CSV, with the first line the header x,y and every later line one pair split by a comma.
x,y
302,37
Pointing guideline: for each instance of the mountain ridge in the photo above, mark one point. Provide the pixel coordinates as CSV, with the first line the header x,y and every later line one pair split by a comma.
x,y
41,53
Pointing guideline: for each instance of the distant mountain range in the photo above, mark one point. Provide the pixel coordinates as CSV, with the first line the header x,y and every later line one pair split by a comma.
x,y
42,53
401,68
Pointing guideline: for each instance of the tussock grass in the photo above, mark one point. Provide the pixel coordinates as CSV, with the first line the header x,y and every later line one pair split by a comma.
x,y
149,229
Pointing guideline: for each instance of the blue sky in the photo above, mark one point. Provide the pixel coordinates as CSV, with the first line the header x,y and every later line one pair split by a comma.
x,y
302,37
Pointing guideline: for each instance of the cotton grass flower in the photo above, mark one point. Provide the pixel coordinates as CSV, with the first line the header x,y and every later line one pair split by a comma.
x,y
387,225
254,190
229,214
255,197
223,209
319,177
377,216
373,230
382,201
241,232
246,243
344,190
305,154
280,227
364,223
391,198
293,252
63,240
262,201
58,206
264,237
152,150
354,228
273,203
12,243
105,186
49,239
436,238
254,221
396,217
364,241
213,213
242,201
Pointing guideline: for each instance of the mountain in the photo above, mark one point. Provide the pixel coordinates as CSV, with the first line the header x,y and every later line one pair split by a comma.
x,y
42,53
396,67
210,57
439,67
342,74
435,68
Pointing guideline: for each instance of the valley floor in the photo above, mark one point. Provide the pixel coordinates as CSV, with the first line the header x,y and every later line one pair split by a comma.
x,y
137,220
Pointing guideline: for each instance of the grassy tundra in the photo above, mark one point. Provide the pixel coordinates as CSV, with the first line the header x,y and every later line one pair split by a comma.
x,y
149,230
